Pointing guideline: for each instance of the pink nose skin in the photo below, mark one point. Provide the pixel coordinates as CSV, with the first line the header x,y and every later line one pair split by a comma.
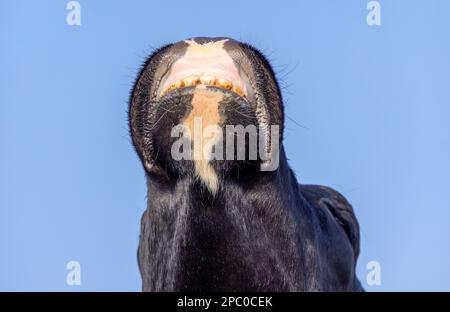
x,y
207,61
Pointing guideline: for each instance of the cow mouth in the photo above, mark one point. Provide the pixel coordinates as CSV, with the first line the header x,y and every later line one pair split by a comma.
x,y
221,74
206,65
238,86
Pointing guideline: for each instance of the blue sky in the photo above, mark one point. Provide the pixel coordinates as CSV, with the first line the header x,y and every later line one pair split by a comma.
x,y
368,114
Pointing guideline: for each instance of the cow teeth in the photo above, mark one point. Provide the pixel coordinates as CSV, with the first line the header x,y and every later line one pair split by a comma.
x,y
173,86
191,81
239,91
208,80
223,83
176,85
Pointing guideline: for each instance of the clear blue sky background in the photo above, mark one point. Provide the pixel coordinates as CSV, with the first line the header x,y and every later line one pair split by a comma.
x,y
368,108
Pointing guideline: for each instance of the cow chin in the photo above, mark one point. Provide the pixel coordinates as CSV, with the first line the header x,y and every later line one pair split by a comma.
x,y
206,132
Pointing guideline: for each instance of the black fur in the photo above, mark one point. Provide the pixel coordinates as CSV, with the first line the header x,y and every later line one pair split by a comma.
x,y
262,231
